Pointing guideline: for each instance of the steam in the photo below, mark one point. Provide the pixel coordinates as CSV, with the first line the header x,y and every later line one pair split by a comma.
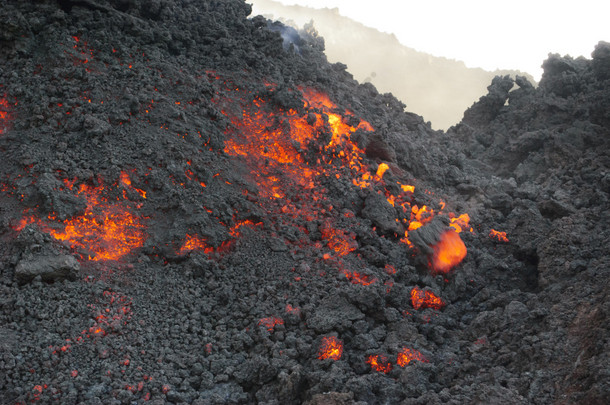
x,y
439,89
290,36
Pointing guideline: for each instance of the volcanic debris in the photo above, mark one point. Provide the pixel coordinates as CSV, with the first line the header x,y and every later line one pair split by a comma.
x,y
195,211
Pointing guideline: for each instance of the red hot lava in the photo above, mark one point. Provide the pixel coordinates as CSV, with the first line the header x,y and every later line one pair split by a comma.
x,y
107,231
407,355
330,348
425,299
497,235
271,322
5,114
448,252
379,362
271,142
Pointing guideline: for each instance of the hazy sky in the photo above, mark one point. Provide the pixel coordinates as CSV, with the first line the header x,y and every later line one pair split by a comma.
x,y
511,34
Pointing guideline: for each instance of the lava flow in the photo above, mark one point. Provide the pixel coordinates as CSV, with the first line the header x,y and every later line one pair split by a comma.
x,y
104,231
274,144
380,363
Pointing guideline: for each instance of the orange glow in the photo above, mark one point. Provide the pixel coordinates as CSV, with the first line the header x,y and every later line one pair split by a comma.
x,y
109,231
407,355
5,115
448,252
234,231
338,240
379,362
273,143
125,180
293,310
381,170
264,145
269,323
460,223
407,188
425,299
23,222
195,242
358,278
330,348
500,236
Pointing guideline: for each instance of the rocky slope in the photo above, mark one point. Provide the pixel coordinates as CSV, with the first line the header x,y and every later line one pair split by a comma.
x,y
194,211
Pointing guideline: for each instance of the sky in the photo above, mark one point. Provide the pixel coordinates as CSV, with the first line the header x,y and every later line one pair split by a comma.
x,y
490,34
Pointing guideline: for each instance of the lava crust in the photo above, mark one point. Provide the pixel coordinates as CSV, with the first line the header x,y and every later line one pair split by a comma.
x,y
199,209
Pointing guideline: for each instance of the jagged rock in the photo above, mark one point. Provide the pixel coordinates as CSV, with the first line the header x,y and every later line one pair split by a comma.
x,y
48,268
381,213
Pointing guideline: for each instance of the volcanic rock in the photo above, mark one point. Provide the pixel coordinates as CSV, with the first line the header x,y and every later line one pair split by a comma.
x,y
48,268
208,191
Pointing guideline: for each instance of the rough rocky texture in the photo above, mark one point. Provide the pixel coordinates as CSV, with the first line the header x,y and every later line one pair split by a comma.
x,y
227,283
48,268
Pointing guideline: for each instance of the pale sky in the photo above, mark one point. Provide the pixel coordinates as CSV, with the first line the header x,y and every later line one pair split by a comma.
x,y
490,34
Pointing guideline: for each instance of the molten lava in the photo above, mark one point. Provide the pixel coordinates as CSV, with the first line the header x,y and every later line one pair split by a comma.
x,y
110,231
195,242
340,241
448,252
379,362
499,236
460,223
106,231
425,299
407,355
5,114
269,323
330,348
275,145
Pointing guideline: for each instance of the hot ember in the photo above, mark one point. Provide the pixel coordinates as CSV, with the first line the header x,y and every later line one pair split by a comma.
x,y
104,231
269,323
425,299
330,348
5,114
407,355
448,252
497,235
379,362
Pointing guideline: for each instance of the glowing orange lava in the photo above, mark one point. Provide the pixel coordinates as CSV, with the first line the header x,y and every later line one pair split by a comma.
x,y
358,278
274,143
330,348
261,140
195,242
460,223
107,230
500,236
425,299
339,240
448,252
379,362
407,355
4,114
269,323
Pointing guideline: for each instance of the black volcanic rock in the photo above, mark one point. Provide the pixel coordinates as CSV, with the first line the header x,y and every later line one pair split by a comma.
x,y
198,199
